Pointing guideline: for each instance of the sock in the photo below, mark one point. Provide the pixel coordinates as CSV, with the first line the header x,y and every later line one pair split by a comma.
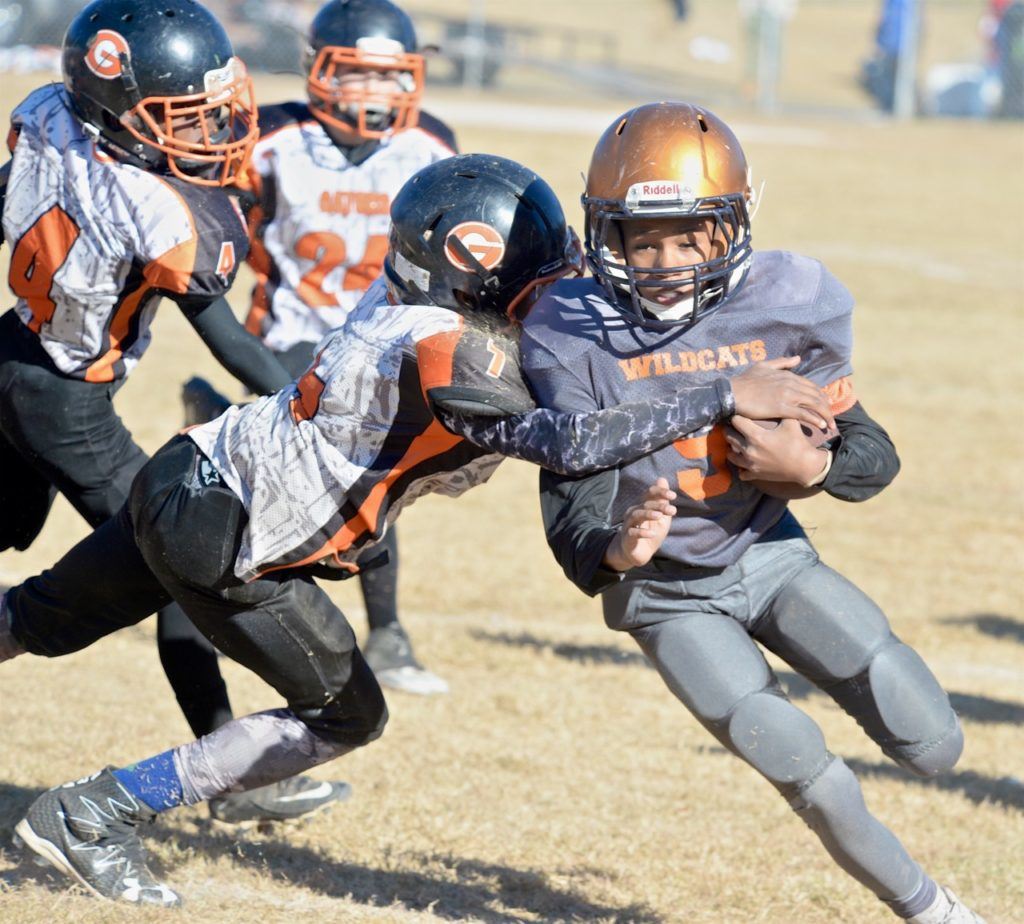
x,y
920,900
154,781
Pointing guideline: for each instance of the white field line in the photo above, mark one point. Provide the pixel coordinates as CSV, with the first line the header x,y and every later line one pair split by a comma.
x,y
565,120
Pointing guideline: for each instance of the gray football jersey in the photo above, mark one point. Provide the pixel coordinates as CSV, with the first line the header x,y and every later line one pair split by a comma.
x,y
581,353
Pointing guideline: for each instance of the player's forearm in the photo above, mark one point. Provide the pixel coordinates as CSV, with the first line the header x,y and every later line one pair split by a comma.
x,y
238,351
865,460
580,443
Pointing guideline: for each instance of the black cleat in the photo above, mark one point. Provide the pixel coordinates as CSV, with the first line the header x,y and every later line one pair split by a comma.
x,y
202,401
288,801
86,829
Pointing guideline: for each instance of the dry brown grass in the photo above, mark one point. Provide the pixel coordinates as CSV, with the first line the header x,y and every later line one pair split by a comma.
x,y
560,781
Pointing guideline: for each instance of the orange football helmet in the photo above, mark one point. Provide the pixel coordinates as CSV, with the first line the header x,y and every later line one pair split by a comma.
x,y
668,160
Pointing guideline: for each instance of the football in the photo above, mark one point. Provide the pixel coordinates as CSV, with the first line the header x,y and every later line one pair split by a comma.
x,y
784,490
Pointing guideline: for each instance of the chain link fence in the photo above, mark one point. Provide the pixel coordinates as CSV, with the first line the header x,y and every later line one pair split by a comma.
x,y
908,57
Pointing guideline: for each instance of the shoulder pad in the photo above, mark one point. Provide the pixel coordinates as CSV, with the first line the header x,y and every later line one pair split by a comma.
x,y
439,130
281,115
478,374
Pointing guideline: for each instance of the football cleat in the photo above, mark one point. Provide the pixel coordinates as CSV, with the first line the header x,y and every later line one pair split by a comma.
x,y
288,801
946,909
202,401
86,829
388,651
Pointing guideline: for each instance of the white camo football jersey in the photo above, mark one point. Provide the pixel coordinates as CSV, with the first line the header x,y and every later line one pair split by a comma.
x,y
325,465
96,243
320,235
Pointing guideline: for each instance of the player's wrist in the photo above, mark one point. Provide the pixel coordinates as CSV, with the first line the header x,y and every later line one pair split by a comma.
x,y
824,468
615,557
727,397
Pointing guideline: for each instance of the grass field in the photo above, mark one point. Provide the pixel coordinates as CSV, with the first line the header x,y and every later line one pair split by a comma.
x,y
560,781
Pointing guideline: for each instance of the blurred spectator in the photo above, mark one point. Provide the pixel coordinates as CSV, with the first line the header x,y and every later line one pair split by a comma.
x,y
878,74
680,10
1008,47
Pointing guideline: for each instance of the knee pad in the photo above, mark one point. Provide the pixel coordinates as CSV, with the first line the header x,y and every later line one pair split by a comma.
x,y
355,716
901,705
826,625
778,740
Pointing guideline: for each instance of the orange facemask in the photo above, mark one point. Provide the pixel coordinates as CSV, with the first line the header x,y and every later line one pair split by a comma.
x,y
330,100
224,116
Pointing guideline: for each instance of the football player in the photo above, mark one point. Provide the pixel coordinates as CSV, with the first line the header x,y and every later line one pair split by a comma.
x,y
120,193
702,573
418,392
325,171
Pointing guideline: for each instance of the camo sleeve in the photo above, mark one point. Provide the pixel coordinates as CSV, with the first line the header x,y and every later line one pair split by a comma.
x,y
575,443
476,388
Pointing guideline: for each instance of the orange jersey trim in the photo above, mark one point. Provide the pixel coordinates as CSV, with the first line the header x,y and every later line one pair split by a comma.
x,y
840,394
171,272
433,441
103,369
435,357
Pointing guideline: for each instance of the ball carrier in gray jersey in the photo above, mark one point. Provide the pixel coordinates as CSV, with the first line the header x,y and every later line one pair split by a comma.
x,y
324,172
420,391
122,192
701,574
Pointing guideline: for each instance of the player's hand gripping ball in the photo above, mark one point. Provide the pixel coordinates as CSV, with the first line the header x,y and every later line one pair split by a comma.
x,y
779,462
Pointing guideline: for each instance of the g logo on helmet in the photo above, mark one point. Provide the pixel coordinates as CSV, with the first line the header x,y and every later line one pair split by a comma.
x,y
481,240
104,55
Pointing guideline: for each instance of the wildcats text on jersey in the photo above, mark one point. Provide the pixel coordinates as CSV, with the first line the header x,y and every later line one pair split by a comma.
x,y
581,352
709,359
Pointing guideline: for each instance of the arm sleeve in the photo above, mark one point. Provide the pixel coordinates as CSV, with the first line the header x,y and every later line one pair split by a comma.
x,y
474,383
578,443
238,351
864,458
577,523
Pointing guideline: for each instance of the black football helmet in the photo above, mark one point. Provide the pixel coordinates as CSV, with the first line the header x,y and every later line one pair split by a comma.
x,y
478,233
157,83
368,36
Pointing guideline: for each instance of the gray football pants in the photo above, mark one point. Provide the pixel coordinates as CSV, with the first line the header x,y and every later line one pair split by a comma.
x,y
700,628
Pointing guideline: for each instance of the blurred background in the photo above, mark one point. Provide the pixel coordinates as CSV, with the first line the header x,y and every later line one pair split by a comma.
x,y
961,58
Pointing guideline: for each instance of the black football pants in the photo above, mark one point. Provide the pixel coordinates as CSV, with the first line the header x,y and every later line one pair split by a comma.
x,y
63,434
178,537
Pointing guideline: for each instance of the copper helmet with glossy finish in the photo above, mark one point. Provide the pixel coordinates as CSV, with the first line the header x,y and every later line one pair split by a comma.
x,y
671,160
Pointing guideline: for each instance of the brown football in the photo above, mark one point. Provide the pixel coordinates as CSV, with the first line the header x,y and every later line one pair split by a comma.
x,y
785,490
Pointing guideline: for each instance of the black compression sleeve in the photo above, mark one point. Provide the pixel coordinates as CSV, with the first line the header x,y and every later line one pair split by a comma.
x,y
864,461
577,443
238,351
577,515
